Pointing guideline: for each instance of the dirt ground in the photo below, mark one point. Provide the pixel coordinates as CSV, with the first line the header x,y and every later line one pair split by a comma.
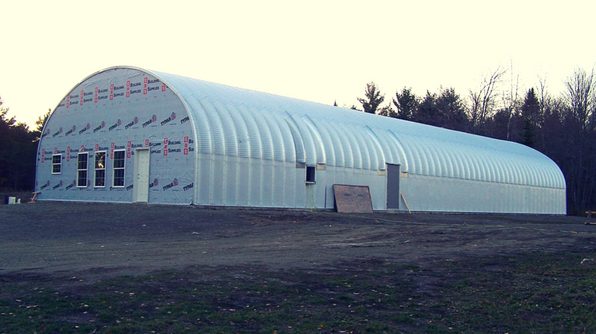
x,y
122,268
111,239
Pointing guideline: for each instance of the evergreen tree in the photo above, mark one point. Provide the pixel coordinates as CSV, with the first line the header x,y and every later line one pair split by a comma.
x,y
427,112
17,153
451,112
387,111
505,124
530,113
372,98
406,103
39,124
5,127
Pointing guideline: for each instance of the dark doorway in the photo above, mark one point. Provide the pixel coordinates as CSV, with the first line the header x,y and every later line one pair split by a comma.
x,y
392,186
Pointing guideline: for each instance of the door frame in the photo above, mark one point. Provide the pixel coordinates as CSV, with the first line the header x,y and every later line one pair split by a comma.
x,y
136,170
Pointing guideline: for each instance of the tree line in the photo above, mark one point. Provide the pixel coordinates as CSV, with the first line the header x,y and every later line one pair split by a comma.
x,y
18,150
562,127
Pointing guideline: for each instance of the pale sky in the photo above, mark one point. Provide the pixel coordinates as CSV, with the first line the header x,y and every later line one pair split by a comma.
x,y
313,50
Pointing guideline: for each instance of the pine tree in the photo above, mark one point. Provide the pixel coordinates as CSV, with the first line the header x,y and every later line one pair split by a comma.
x,y
387,111
427,111
451,112
17,153
372,98
39,124
406,103
530,112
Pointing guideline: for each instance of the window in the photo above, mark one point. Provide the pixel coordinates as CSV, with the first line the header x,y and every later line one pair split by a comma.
x,y
82,169
100,169
56,163
118,176
310,174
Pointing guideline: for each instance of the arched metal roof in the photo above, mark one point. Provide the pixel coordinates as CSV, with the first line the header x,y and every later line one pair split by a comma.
x,y
238,122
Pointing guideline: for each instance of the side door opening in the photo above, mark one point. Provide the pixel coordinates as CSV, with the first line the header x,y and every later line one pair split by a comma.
x,y
393,172
141,176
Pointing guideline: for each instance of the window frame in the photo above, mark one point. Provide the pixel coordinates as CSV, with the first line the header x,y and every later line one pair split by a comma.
x,y
123,168
95,169
59,164
313,173
80,170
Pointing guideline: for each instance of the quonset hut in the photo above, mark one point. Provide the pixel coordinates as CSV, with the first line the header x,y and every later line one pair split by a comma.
x,y
126,134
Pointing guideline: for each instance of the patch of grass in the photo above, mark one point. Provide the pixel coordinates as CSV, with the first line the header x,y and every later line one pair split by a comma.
x,y
533,293
537,294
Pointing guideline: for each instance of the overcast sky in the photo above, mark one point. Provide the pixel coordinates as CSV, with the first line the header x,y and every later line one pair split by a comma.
x,y
314,50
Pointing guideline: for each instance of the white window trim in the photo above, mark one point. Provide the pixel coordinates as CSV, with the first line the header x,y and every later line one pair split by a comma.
x,y
60,163
123,169
105,160
86,169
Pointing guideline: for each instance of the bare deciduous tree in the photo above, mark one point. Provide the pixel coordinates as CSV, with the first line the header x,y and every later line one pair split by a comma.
x,y
581,96
511,103
580,132
543,95
482,101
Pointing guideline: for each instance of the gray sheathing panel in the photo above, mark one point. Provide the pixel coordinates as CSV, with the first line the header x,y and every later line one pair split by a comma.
x,y
119,109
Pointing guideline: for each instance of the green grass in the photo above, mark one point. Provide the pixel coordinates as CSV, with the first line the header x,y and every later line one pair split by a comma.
x,y
530,294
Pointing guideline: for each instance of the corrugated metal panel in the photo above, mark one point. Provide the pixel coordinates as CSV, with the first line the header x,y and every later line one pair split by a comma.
x,y
319,148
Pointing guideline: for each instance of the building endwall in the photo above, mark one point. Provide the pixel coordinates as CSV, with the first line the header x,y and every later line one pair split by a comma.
x,y
119,109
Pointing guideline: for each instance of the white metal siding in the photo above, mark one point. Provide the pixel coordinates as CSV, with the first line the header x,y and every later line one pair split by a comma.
x,y
288,130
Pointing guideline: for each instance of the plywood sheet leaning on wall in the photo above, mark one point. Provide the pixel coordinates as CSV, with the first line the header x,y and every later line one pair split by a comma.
x,y
352,199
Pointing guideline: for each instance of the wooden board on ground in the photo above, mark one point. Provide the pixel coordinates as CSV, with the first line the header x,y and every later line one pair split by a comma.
x,y
352,199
